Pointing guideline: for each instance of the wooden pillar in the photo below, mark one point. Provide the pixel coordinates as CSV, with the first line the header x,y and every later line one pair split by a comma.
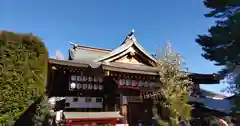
x,y
124,108
124,112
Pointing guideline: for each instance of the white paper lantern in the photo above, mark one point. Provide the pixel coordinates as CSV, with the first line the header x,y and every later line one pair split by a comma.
x,y
90,86
73,78
95,79
100,79
95,87
84,86
80,78
90,78
128,82
84,78
146,83
77,85
121,82
134,83
100,87
141,83
72,85
80,86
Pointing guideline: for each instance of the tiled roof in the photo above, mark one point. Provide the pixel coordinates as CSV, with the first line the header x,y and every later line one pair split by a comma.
x,y
98,55
212,94
222,105
86,54
67,63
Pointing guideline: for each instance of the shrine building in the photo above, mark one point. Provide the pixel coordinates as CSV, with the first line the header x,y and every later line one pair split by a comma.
x,y
97,86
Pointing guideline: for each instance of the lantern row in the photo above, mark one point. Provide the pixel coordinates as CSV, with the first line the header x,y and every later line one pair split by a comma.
x,y
136,83
86,78
85,86
150,95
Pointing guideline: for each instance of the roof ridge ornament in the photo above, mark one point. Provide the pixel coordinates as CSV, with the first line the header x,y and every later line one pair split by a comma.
x,y
131,36
74,45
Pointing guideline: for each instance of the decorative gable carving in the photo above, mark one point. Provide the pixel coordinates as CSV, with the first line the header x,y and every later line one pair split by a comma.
x,y
128,59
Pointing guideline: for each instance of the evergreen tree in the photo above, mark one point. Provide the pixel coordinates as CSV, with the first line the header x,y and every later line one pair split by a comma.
x,y
222,43
174,90
23,72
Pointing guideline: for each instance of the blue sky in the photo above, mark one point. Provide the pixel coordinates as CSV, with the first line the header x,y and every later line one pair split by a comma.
x,y
105,23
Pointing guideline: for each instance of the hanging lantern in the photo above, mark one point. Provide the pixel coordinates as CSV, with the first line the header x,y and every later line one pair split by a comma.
x,y
128,82
90,78
84,78
89,86
73,78
121,82
146,83
84,86
72,85
100,79
141,83
134,83
78,86
137,83
78,78
95,87
95,79
100,87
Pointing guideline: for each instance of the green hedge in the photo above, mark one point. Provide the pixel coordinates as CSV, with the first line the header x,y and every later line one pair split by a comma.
x,y
23,72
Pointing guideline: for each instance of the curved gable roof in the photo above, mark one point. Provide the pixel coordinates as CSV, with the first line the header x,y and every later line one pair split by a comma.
x,y
86,53
129,42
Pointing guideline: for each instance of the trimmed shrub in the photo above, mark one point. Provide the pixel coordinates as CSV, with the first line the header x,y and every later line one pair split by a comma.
x,y
23,72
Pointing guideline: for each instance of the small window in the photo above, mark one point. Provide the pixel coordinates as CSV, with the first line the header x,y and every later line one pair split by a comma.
x,y
88,99
75,99
98,99
67,104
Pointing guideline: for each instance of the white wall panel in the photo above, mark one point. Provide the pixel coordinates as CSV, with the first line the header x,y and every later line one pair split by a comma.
x,y
82,103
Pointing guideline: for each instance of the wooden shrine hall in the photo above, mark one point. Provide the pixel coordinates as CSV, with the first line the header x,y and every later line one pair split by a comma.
x,y
99,87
